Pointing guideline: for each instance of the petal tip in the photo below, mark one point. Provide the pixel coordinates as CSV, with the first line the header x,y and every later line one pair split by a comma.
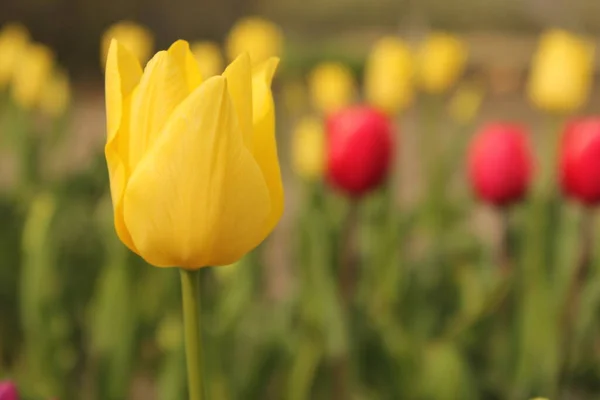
x,y
269,67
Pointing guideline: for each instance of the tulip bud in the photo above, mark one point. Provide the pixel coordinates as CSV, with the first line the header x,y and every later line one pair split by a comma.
x,y
561,72
500,164
580,160
35,68
13,41
209,57
258,37
442,59
332,87
388,75
8,391
359,149
308,149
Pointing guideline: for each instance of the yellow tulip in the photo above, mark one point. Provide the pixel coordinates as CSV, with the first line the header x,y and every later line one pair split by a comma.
x,y
562,72
465,103
388,75
442,59
308,149
13,41
209,57
193,165
332,86
256,36
56,95
136,38
35,68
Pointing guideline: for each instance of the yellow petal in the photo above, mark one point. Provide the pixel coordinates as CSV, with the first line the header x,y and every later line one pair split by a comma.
x,y
198,198
239,84
265,145
123,72
180,51
162,87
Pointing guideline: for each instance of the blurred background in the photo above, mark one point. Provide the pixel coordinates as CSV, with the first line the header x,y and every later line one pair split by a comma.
x,y
416,286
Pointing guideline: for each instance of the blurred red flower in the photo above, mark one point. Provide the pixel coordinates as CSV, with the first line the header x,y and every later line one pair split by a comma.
x,y
359,149
500,163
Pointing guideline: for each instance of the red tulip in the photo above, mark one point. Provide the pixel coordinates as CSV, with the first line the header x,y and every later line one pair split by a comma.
x,y
500,163
8,391
580,160
359,149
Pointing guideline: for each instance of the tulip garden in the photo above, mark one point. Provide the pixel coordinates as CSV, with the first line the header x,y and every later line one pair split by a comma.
x,y
248,229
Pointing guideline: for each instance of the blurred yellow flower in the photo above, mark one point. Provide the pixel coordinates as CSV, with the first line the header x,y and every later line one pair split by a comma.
x,y
209,57
35,68
465,103
561,72
388,75
193,165
56,95
13,40
308,149
135,37
258,37
441,59
331,86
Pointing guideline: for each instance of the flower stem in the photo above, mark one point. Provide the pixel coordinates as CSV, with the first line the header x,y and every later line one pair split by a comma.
x,y
190,293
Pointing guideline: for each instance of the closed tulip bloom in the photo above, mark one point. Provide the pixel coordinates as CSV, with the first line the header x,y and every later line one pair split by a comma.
x,y
500,164
13,41
389,75
360,148
209,57
580,160
331,86
135,37
561,72
35,68
256,36
56,95
442,59
8,391
308,149
193,165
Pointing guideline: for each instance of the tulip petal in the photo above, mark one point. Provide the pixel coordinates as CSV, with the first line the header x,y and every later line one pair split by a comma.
x,y
264,142
239,84
123,72
198,198
180,51
163,87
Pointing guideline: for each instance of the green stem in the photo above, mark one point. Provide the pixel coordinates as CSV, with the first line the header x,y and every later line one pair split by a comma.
x,y
190,293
